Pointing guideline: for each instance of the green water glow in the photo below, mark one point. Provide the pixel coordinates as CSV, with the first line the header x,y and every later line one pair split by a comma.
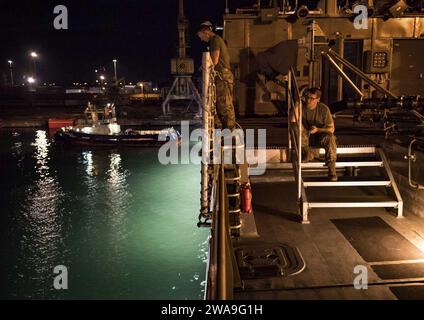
x,y
123,224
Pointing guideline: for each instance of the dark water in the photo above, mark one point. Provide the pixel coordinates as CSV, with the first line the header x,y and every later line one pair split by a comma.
x,y
123,224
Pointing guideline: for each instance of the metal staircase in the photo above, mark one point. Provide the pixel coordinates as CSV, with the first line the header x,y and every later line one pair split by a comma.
x,y
311,178
361,167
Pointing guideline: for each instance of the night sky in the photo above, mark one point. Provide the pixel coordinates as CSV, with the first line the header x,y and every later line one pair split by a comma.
x,y
141,34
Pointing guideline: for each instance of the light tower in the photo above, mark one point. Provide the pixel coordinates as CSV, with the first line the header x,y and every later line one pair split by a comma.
x,y
182,68
10,62
34,56
114,68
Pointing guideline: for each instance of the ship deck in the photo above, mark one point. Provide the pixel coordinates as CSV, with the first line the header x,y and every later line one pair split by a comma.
x,y
335,242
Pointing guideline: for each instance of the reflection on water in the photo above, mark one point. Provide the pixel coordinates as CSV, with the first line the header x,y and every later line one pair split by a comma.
x,y
38,222
42,145
88,161
123,224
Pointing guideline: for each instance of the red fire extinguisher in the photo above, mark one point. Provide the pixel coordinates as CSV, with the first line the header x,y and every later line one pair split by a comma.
x,y
246,198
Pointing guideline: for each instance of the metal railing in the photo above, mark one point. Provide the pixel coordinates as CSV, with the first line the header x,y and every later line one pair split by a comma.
x,y
342,73
294,104
411,157
221,267
333,57
295,109
208,124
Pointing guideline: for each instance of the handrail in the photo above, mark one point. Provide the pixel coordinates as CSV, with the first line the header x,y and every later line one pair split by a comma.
x,y
412,158
220,269
220,276
225,279
360,73
207,107
342,74
296,102
296,86
221,265
211,272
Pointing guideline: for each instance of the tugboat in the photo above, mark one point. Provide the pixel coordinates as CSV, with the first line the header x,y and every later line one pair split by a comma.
x,y
107,132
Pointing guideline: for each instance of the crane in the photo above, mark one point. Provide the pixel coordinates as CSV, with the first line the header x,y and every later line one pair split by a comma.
x,y
182,68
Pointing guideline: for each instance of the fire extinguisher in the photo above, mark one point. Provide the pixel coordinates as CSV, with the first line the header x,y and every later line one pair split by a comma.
x,y
246,198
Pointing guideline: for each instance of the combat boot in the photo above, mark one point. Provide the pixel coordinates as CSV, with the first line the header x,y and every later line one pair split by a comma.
x,y
332,174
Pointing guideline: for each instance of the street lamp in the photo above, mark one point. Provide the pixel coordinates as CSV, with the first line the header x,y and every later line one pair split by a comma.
x,y
31,80
34,56
11,72
102,81
114,66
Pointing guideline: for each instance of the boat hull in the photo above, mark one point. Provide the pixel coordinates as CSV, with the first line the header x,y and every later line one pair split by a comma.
x,y
84,139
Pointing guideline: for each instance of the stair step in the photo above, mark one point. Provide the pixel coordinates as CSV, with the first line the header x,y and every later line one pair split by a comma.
x,y
343,164
380,204
318,165
351,150
346,182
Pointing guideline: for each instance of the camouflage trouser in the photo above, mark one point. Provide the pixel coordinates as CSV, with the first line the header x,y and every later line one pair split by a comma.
x,y
224,100
320,140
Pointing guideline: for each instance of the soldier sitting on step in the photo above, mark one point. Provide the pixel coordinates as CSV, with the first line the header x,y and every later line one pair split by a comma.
x,y
318,130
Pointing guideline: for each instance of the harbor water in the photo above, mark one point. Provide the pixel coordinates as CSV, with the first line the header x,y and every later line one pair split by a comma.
x,y
122,224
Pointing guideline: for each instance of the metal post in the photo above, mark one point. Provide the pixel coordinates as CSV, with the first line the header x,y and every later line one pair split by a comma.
x,y
114,67
312,55
289,108
360,73
343,75
298,106
222,237
299,158
340,80
165,105
11,72
206,61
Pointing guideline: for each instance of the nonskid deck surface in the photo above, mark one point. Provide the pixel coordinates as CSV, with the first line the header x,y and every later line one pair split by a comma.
x,y
329,251
331,255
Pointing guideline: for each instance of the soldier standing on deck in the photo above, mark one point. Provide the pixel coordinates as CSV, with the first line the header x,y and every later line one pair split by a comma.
x,y
224,80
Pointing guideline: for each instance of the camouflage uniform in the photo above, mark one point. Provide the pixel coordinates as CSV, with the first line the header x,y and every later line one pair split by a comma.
x,y
224,82
320,118
321,140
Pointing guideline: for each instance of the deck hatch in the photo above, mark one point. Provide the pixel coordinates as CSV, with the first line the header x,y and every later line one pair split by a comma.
x,y
268,261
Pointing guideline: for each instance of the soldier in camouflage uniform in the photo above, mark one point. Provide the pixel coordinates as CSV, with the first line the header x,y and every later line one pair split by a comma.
x,y
318,131
224,80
